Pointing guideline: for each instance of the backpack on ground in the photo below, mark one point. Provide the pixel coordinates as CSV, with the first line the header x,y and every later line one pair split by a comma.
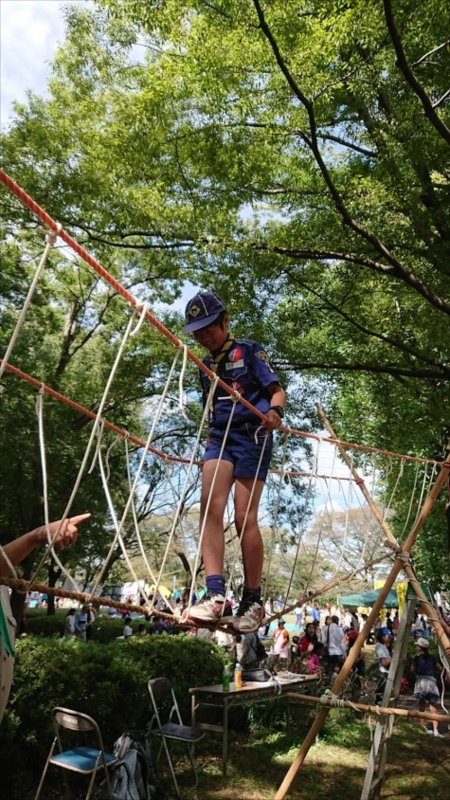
x,y
134,776
261,652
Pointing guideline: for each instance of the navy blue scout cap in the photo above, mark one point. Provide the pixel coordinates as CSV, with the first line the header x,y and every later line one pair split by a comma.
x,y
201,310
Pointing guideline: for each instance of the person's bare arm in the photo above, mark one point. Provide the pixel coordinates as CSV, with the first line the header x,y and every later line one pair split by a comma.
x,y
20,548
446,628
277,398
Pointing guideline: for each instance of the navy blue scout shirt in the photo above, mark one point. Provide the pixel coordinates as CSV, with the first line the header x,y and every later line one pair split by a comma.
x,y
245,366
425,665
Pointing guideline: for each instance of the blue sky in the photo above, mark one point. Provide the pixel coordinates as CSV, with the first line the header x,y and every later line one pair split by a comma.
x,y
30,31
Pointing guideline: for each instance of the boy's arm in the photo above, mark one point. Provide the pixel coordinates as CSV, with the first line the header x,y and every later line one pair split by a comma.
x,y
277,398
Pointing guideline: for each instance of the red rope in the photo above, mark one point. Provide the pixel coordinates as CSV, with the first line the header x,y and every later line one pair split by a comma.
x,y
44,217
87,413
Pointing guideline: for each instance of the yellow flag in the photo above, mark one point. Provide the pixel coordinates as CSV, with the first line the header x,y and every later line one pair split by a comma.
x,y
378,584
401,594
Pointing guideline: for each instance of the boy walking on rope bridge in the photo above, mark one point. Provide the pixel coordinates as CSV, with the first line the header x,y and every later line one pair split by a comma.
x,y
244,461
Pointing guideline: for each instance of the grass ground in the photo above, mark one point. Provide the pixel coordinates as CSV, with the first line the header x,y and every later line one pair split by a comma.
x,y
418,765
262,750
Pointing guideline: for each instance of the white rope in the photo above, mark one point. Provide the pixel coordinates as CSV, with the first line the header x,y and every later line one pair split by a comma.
x,y
142,462
183,493
330,699
51,237
214,478
182,347
118,527
97,449
274,527
411,501
8,563
50,539
96,425
301,520
155,580
119,538
250,499
109,451
425,488
319,537
144,309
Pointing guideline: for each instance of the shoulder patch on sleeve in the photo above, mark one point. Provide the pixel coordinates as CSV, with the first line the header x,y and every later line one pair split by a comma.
x,y
261,354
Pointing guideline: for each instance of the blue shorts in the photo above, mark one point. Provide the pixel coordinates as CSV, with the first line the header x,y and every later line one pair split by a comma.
x,y
427,698
241,450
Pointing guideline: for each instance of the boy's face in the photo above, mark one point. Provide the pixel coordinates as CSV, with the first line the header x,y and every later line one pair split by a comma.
x,y
213,336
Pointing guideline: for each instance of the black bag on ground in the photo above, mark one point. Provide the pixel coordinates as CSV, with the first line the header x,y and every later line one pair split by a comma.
x,y
258,675
261,652
134,776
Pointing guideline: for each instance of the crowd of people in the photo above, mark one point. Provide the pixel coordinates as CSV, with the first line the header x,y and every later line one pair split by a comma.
x,y
323,640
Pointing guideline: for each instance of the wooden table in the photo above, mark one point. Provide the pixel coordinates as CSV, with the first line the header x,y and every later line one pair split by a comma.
x,y
251,693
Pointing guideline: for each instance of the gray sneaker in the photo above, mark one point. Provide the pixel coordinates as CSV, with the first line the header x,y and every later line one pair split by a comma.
x,y
211,608
249,616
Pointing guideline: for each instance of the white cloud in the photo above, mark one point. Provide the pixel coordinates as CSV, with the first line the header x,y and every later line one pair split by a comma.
x,y
30,32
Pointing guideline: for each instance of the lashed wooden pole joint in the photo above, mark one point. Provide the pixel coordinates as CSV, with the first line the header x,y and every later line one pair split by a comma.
x,y
396,712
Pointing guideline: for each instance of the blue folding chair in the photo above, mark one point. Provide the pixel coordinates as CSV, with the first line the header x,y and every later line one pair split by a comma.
x,y
82,759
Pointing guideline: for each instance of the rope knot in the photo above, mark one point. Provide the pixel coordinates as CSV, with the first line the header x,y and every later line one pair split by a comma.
x,y
52,236
142,306
328,698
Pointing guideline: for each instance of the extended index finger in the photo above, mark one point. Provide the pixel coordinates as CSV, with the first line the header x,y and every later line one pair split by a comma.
x,y
80,518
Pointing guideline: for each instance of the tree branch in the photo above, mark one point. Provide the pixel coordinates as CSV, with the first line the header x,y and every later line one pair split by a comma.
x,y
409,76
387,369
311,141
357,148
442,99
397,345
431,53
329,255
395,270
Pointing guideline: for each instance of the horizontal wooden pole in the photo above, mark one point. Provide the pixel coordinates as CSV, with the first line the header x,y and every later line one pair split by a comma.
x,y
397,712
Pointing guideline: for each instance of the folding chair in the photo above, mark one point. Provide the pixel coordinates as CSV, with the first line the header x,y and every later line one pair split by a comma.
x,y
165,707
82,759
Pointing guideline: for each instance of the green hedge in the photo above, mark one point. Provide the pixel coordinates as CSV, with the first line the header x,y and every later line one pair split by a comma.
x,y
107,681
104,629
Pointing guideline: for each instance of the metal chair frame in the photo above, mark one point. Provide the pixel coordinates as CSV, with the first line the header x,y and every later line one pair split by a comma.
x,y
160,689
95,757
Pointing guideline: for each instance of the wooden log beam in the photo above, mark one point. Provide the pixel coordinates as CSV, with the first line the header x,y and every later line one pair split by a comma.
x,y
396,712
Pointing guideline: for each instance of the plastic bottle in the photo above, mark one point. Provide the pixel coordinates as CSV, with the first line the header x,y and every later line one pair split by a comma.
x,y
238,677
226,679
